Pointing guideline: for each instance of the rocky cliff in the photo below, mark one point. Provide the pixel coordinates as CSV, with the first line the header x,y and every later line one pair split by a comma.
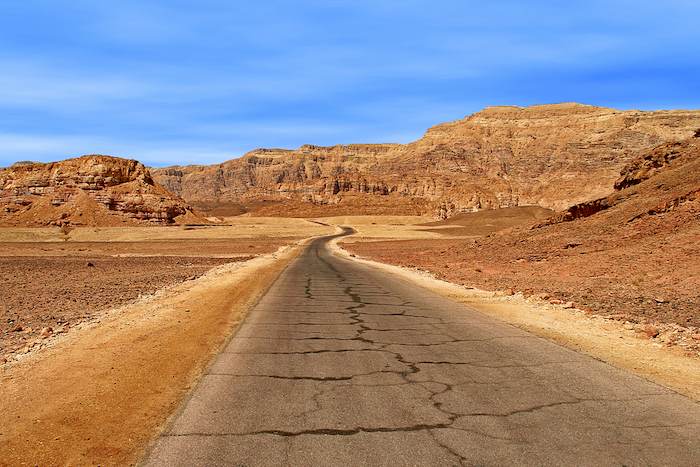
x,y
675,167
89,190
554,156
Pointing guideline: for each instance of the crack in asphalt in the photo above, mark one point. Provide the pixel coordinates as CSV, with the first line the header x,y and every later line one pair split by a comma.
x,y
326,431
307,289
412,369
306,352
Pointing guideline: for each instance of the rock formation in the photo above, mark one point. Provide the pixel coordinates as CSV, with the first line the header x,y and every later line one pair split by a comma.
x,y
553,156
675,171
89,190
636,260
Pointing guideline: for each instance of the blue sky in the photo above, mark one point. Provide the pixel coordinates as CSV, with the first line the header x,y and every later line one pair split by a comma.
x,y
203,81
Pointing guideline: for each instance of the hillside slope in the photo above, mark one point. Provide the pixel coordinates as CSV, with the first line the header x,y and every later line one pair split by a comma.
x,y
635,259
553,156
90,190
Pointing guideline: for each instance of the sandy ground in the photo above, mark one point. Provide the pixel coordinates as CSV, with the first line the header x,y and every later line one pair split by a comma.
x,y
608,340
462,226
48,288
231,228
98,395
53,280
489,221
100,392
47,295
210,248
385,227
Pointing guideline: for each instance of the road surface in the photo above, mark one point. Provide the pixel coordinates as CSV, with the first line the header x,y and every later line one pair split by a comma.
x,y
344,364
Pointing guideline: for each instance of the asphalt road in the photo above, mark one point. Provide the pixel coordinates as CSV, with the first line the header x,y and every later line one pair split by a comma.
x,y
343,364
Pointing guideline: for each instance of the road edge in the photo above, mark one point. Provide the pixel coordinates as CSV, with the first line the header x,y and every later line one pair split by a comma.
x,y
572,328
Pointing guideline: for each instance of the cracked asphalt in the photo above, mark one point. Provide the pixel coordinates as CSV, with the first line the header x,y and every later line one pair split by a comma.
x,y
344,364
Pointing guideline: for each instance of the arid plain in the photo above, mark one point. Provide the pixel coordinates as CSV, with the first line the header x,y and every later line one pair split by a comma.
x,y
120,283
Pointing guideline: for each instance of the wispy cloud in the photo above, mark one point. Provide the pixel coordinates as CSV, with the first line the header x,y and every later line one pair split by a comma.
x,y
25,83
48,148
175,82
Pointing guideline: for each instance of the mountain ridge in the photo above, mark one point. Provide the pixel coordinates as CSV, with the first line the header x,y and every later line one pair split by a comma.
x,y
554,156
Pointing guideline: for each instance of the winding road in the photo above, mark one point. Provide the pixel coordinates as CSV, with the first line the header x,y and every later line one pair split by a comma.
x,y
343,364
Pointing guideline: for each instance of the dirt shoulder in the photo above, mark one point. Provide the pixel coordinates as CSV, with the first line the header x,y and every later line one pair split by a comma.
x,y
47,296
649,283
98,395
609,340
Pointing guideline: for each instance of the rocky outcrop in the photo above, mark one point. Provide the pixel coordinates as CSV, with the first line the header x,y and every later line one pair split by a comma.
x,y
554,156
676,166
650,163
89,190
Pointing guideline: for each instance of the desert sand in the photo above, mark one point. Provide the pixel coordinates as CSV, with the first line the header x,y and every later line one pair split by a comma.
x,y
53,281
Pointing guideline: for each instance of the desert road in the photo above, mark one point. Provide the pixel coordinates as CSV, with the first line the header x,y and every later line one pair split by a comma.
x,y
344,364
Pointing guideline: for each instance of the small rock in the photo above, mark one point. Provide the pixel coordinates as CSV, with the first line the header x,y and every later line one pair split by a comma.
x,y
509,292
556,301
90,265
651,331
572,245
46,332
17,328
569,305
659,300
696,337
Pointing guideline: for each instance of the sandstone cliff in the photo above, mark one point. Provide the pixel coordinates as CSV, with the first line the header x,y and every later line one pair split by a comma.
x,y
553,156
89,190
675,170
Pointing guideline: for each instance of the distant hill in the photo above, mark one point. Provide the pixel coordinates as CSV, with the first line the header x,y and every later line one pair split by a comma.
x,y
90,190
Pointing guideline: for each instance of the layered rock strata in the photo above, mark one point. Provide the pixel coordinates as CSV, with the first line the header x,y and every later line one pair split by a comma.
x,y
88,190
553,156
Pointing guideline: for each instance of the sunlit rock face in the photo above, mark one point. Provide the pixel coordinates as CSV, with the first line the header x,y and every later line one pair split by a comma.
x,y
88,190
554,156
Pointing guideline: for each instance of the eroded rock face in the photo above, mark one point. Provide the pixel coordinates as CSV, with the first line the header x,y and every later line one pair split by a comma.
x,y
554,156
644,167
89,190
675,167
